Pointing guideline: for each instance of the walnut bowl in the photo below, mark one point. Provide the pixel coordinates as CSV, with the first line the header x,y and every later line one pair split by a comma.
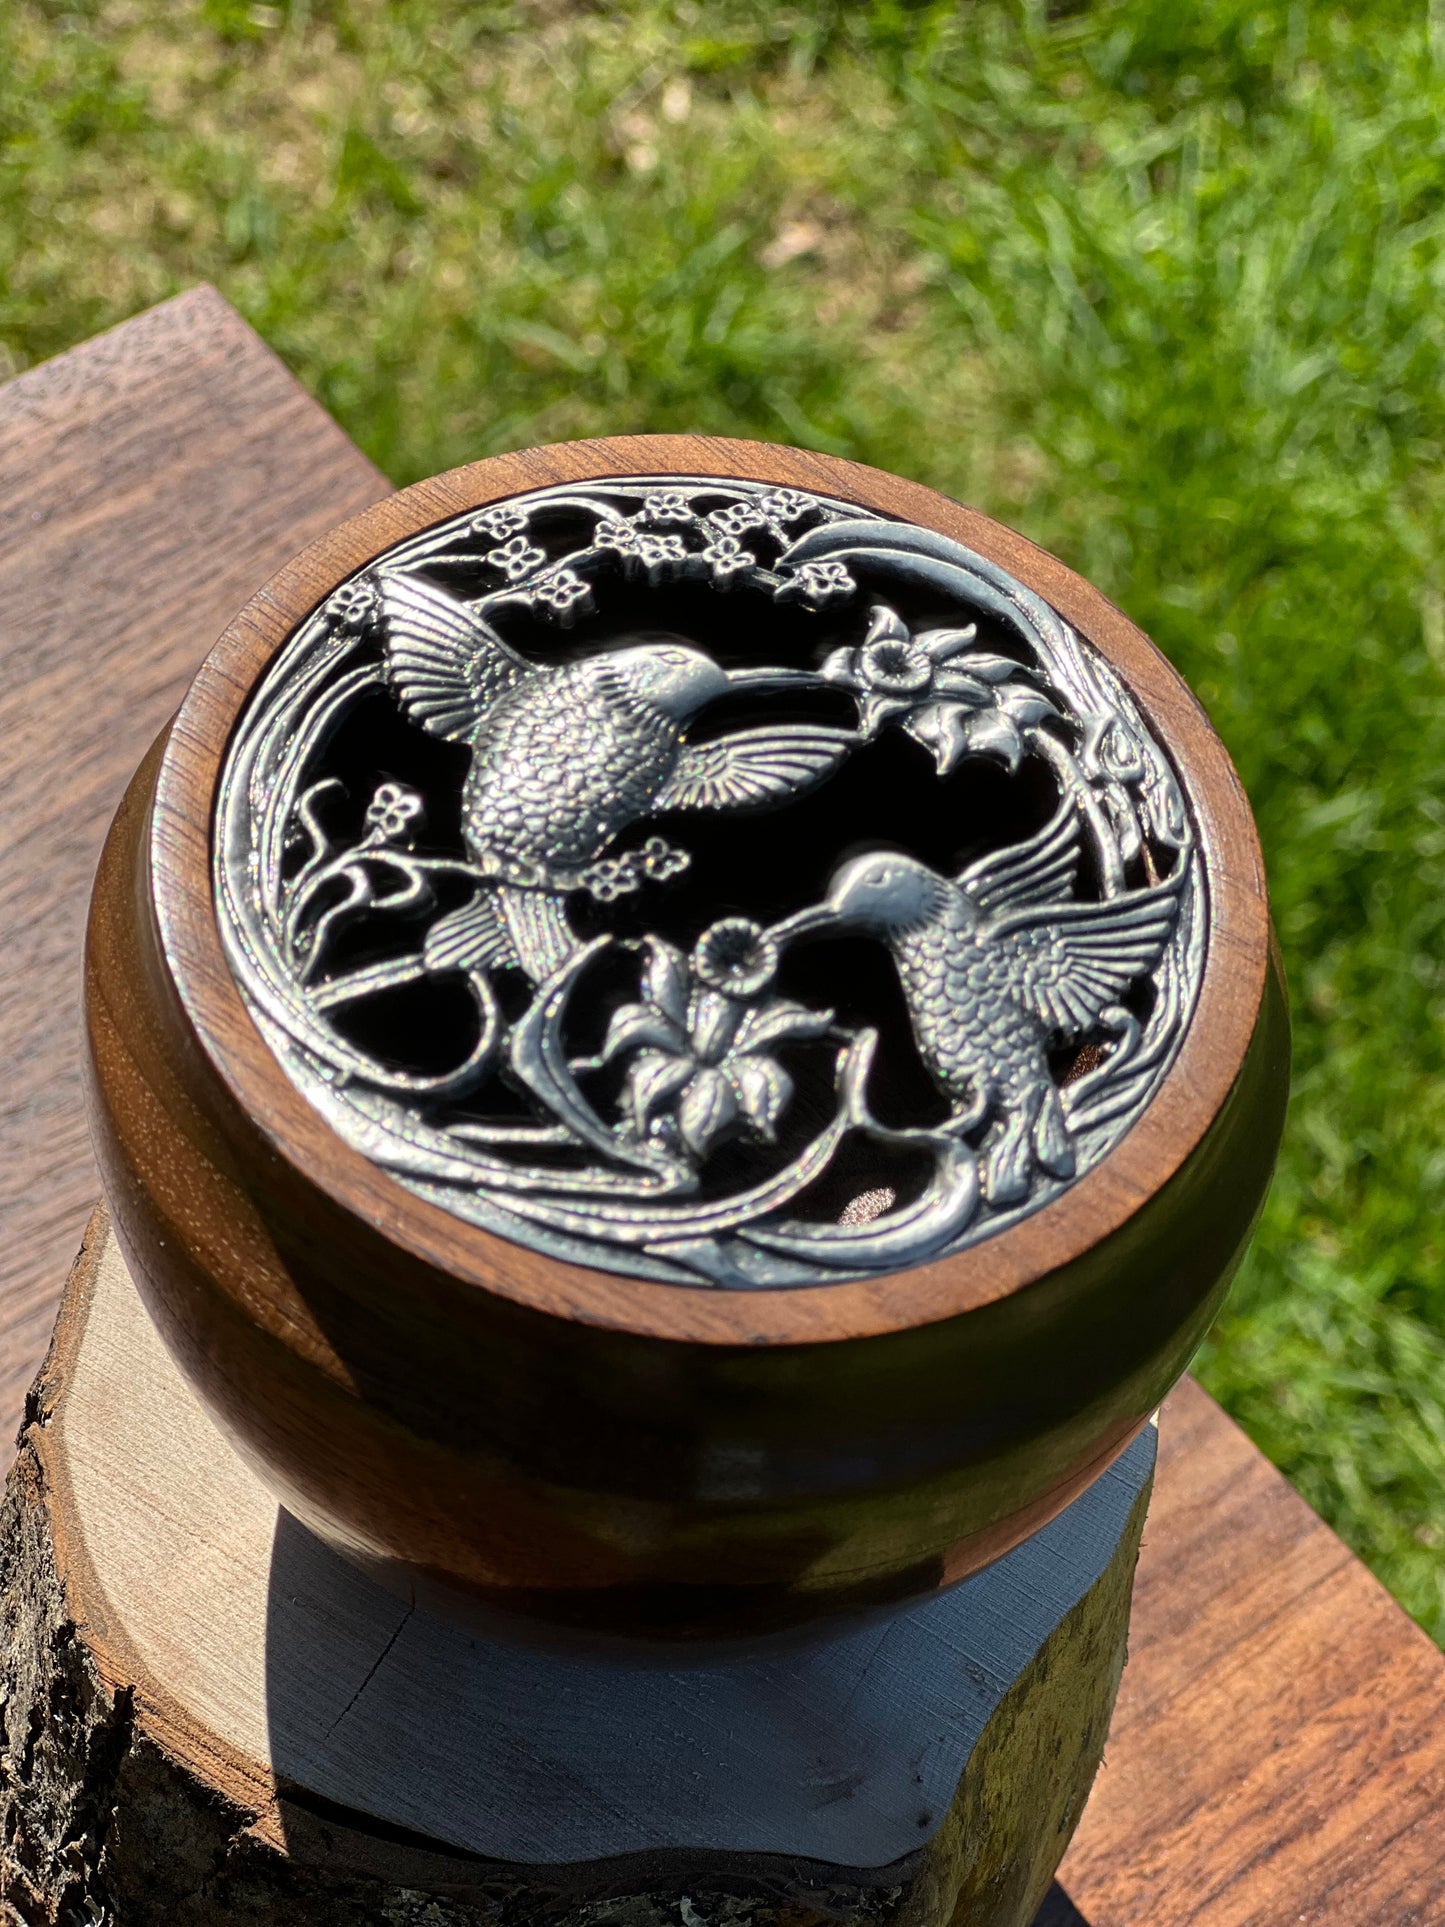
x,y
581,1443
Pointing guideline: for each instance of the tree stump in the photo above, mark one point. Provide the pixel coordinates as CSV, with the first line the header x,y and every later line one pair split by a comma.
x,y
682,1045
209,1716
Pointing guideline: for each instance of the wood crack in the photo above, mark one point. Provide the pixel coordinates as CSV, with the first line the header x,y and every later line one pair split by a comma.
x,y
372,1670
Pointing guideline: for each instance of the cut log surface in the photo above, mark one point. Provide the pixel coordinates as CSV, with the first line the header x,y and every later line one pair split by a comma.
x,y
209,1716
1277,1757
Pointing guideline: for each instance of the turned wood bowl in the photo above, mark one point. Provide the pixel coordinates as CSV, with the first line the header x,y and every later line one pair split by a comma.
x,y
683,1037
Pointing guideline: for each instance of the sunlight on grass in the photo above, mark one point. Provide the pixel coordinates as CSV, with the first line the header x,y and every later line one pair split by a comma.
x,y
1161,285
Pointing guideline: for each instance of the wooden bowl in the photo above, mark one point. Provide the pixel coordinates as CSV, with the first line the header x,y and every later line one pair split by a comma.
x,y
572,1447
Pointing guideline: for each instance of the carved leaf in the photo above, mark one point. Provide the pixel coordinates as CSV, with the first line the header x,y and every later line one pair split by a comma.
x,y
1025,705
641,1024
653,1076
780,1022
960,687
665,979
978,663
763,1088
886,625
708,1106
876,710
992,733
841,665
714,1020
940,728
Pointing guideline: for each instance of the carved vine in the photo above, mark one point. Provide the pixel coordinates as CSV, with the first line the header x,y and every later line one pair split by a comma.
x,y
332,902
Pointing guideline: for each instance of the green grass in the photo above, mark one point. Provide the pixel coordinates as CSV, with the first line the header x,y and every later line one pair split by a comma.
x,y
1163,285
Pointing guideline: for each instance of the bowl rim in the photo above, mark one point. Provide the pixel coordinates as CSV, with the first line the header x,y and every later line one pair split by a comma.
x,y
1088,1212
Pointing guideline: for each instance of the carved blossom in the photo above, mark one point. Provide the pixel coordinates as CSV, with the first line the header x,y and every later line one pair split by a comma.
x,y
816,584
949,695
704,1034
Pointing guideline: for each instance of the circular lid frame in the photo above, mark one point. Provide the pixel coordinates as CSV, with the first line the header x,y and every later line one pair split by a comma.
x,y
1093,1208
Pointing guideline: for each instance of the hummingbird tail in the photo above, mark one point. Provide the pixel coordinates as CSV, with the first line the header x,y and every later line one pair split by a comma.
x,y
1052,1143
476,936
503,926
1033,1131
1008,1163
541,938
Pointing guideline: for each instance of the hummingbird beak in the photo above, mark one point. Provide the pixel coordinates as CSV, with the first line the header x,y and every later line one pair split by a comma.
x,y
812,922
760,680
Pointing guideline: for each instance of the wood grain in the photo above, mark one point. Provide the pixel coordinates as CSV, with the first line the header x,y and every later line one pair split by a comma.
x,y
543,1439
1277,1757
150,481
1333,1814
266,1673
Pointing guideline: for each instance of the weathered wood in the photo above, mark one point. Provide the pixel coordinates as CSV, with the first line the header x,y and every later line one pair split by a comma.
x,y
191,1680
150,481
1307,1783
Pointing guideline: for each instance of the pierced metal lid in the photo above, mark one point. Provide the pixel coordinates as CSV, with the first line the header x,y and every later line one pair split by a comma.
x,y
709,881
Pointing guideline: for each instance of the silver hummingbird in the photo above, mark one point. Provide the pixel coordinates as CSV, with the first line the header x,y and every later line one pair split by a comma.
x,y
565,757
999,965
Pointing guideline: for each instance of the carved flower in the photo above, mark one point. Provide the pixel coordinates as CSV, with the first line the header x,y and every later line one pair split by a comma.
x,y
353,607
563,593
785,504
661,859
949,695
667,507
661,555
608,878
620,537
735,956
738,519
728,562
611,877
704,1034
500,522
817,584
394,814
516,558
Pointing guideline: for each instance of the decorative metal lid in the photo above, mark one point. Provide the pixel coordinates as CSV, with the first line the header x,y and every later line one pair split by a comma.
x,y
708,881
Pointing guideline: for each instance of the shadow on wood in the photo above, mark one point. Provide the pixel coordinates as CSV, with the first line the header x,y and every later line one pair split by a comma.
x,y
210,1714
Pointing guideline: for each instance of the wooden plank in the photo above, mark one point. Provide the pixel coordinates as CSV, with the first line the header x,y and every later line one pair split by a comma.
x,y
150,481
1278,1751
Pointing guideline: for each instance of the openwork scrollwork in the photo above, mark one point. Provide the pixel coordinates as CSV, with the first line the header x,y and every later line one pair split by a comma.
x,y
553,849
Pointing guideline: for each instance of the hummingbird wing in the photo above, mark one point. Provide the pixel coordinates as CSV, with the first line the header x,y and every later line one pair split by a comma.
x,y
1042,870
753,768
446,664
1067,961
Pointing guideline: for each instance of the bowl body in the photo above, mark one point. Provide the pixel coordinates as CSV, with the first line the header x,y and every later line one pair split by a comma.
x,y
567,1447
